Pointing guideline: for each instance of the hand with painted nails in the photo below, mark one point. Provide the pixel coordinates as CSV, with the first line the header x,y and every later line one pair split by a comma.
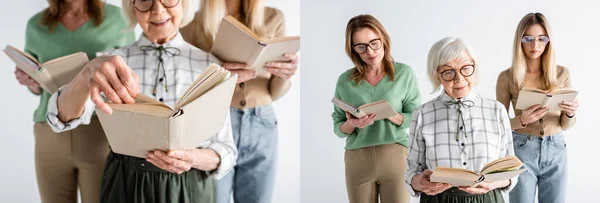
x,y
284,69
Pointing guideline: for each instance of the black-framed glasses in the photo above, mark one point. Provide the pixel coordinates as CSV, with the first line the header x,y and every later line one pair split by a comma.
x,y
361,48
146,5
465,71
542,39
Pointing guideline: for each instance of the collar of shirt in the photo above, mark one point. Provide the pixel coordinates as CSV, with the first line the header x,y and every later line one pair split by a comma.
x,y
176,42
472,96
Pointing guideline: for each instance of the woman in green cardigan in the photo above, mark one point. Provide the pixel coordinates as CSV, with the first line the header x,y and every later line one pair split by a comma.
x,y
68,161
376,151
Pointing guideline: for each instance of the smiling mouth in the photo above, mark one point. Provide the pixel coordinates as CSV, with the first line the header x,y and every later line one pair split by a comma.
x,y
460,88
160,23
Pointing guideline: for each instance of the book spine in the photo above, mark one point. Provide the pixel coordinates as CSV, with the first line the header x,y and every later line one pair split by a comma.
x,y
258,50
547,100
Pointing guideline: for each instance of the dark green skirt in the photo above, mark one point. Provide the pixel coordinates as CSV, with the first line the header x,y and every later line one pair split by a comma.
x,y
130,179
454,195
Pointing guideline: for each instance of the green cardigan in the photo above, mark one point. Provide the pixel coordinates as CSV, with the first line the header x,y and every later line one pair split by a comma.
x,y
403,95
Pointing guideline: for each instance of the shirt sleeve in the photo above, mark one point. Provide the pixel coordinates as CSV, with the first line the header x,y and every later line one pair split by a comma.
x,y
566,122
507,148
57,125
223,144
339,117
415,161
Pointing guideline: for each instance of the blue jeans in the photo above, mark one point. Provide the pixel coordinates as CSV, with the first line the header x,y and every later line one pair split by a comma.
x,y
253,177
546,162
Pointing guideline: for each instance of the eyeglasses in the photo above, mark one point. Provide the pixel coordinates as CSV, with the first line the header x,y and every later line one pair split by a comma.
x,y
528,39
450,74
361,48
146,5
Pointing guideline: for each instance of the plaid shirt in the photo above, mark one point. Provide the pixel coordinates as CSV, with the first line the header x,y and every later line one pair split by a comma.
x,y
181,64
440,137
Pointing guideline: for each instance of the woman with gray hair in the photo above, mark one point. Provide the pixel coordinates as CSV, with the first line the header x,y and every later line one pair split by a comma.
x,y
161,64
458,129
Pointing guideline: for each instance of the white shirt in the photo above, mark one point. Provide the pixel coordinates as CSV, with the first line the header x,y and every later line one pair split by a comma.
x,y
182,64
436,126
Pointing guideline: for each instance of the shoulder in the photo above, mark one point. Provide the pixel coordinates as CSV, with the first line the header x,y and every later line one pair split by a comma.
x,y
490,103
273,16
430,106
35,20
402,70
113,14
344,78
111,9
562,71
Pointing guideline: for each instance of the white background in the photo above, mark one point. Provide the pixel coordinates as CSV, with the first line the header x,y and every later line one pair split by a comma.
x,y
488,26
17,173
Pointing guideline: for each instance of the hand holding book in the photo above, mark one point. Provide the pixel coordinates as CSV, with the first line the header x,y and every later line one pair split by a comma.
x,y
485,187
422,182
284,69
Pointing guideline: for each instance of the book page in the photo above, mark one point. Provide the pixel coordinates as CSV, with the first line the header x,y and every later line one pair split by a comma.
x,y
553,103
214,76
382,109
505,163
528,99
502,175
454,176
23,57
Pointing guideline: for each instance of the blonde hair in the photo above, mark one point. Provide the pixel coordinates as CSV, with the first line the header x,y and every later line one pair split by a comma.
x,y
186,17
358,23
444,51
519,62
213,11
51,15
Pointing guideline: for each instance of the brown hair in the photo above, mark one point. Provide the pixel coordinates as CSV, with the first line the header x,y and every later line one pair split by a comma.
x,y
358,23
519,63
55,10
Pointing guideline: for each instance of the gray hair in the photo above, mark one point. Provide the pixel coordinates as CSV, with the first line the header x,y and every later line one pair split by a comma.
x,y
444,51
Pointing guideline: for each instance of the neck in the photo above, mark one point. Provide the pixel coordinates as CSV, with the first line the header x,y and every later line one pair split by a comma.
x,y
234,7
534,65
75,7
375,69
161,41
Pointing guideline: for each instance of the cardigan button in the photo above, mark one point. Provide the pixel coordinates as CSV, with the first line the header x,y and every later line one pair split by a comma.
x,y
542,132
243,102
242,85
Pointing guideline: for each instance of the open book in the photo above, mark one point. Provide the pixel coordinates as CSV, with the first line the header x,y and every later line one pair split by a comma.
x,y
136,129
382,109
234,42
501,169
530,97
52,74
